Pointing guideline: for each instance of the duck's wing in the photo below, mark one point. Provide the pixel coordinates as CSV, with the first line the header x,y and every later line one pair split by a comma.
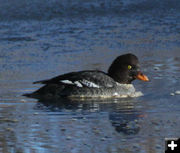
x,y
95,79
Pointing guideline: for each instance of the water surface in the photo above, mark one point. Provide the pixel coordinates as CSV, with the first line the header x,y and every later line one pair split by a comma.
x,y
42,44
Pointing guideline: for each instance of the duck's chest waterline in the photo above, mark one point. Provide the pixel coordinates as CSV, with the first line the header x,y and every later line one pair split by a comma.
x,y
119,90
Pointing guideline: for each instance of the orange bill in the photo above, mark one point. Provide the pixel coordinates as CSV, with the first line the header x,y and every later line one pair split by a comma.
x,y
142,77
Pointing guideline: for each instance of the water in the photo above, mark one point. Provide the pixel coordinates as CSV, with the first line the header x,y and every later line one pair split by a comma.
x,y
39,40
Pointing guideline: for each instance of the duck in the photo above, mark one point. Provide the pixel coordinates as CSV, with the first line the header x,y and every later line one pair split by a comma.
x,y
116,82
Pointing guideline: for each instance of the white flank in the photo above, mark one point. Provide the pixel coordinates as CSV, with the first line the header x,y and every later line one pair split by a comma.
x,y
115,94
89,84
66,81
78,84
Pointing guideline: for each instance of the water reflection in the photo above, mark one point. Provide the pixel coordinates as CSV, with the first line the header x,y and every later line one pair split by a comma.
x,y
126,123
122,113
63,125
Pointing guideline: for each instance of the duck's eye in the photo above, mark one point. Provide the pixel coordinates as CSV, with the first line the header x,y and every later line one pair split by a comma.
x,y
129,67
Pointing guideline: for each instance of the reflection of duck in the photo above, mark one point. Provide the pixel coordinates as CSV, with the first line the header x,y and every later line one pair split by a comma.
x,y
123,116
115,83
127,123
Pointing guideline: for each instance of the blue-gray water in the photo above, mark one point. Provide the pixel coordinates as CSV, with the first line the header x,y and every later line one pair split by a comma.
x,y
42,39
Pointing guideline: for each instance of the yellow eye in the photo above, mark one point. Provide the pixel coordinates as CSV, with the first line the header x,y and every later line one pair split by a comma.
x,y
129,67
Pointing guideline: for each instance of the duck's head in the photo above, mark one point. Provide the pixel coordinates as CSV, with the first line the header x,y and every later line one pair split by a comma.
x,y
125,69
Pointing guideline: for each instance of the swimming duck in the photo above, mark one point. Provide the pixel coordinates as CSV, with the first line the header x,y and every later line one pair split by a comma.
x,y
93,83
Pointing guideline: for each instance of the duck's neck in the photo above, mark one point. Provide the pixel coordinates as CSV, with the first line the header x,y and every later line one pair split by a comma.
x,y
119,78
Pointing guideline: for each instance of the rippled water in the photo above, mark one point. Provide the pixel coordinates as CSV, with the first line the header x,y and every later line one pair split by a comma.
x,y
32,49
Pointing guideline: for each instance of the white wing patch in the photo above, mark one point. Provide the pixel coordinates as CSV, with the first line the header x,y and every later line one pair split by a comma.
x,y
77,83
66,81
80,83
89,84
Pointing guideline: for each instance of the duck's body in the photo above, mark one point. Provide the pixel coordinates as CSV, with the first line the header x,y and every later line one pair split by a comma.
x,y
115,83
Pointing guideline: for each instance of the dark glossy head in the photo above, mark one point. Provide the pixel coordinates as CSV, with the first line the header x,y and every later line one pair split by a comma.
x,y
125,69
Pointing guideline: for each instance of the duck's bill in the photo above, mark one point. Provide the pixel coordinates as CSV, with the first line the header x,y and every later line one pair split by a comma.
x,y
141,76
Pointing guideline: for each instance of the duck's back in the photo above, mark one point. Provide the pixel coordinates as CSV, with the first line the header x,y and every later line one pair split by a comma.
x,y
77,84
